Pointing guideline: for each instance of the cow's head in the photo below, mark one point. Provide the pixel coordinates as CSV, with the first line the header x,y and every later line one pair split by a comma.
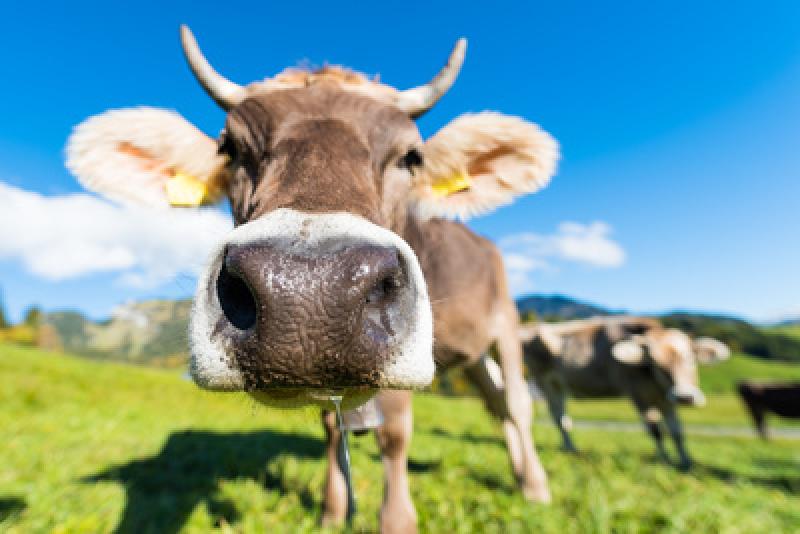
x,y
669,354
314,290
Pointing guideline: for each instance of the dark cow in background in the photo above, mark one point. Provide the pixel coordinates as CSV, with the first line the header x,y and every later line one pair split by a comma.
x,y
322,287
761,399
619,356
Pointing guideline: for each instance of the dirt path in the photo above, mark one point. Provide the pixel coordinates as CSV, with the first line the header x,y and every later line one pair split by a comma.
x,y
695,429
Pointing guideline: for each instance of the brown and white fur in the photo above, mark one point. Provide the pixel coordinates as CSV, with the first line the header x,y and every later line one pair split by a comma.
x,y
619,356
473,311
323,285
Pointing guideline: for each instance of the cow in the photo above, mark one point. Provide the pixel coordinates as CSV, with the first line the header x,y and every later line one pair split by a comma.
x,y
779,398
619,356
343,258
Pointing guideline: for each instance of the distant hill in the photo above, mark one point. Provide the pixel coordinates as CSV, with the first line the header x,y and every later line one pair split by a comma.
x,y
153,332
559,307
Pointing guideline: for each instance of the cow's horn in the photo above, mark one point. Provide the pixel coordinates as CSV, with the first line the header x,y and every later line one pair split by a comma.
x,y
224,92
420,99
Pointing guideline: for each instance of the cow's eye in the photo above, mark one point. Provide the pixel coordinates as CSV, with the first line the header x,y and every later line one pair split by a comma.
x,y
228,148
411,160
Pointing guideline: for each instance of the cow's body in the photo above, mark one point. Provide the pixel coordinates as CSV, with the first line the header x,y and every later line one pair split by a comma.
x,y
584,361
467,287
318,292
472,311
761,399
578,358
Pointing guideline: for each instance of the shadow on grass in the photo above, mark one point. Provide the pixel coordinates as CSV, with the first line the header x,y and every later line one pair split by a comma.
x,y
492,482
467,437
415,466
786,483
10,507
162,490
777,463
423,466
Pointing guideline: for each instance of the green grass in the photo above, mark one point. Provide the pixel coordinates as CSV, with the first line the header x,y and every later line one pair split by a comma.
x,y
89,446
720,378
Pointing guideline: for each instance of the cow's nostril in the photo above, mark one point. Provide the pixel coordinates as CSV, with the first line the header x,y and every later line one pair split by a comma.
x,y
384,288
236,300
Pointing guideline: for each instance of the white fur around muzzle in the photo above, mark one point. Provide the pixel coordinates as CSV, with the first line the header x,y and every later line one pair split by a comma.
x,y
411,356
691,393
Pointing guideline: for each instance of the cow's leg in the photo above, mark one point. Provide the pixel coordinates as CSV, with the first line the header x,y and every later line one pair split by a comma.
x,y
519,405
487,376
756,412
557,404
760,420
675,430
651,418
334,508
394,438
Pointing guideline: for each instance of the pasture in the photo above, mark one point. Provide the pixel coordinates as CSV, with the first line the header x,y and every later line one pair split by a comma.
x,y
90,447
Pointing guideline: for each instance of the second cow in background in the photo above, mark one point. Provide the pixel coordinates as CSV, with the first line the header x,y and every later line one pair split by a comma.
x,y
620,356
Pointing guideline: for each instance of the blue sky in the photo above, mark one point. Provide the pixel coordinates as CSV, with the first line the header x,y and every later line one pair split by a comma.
x,y
678,124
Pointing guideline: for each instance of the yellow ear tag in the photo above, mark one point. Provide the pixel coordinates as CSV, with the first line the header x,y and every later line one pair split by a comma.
x,y
185,190
459,181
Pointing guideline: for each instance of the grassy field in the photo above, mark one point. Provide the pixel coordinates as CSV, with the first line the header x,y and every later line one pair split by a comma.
x,y
90,447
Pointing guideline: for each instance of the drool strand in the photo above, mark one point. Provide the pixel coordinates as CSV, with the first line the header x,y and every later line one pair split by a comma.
x,y
343,458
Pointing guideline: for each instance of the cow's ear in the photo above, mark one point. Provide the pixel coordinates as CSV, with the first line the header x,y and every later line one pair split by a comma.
x,y
708,350
146,156
479,162
629,352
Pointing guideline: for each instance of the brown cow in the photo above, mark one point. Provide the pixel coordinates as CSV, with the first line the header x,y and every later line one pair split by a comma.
x,y
625,356
473,311
761,399
319,289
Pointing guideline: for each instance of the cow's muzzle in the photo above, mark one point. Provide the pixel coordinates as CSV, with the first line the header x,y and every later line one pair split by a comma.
x,y
297,304
321,321
687,396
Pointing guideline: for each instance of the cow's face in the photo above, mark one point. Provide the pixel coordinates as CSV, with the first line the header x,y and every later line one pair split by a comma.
x,y
314,291
670,357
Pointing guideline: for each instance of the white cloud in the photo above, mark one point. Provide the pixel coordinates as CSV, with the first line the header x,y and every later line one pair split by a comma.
x,y
589,244
62,237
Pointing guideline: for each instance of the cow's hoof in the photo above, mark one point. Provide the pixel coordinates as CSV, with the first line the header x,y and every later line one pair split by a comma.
x,y
394,524
537,495
332,520
685,466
